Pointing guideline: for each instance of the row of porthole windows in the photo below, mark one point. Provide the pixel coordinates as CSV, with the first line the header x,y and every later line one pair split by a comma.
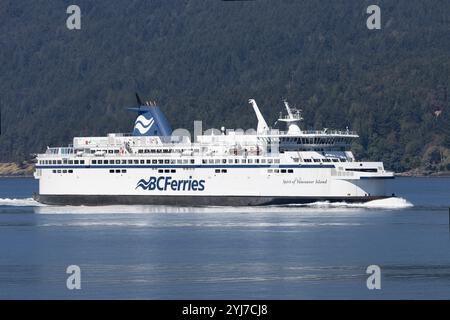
x,y
205,161
65,161
148,161
62,171
181,161
325,160
167,171
118,171
280,171
166,150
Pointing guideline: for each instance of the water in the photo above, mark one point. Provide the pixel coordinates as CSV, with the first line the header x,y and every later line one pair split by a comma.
x,y
297,252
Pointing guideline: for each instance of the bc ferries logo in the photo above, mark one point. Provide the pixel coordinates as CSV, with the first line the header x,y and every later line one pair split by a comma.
x,y
143,124
167,183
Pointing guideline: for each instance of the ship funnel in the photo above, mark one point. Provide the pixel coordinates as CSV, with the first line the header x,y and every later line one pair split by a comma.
x,y
151,121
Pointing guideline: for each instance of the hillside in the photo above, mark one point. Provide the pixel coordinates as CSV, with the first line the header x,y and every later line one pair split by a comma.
x,y
202,60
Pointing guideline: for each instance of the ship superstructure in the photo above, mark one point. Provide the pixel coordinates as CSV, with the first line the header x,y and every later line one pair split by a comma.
x,y
154,165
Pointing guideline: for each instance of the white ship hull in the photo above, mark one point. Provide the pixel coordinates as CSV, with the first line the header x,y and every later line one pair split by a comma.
x,y
202,186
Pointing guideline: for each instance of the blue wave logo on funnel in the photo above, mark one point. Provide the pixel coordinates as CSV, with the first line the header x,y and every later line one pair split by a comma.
x,y
143,125
151,120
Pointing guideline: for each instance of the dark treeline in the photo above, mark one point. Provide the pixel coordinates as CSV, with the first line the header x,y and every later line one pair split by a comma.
x,y
202,60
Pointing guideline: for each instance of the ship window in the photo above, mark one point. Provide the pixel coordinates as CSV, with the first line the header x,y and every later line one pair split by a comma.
x,y
173,171
160,171
172,161
75,161
256,160
142,161
204,161
185,161
111,171
152,150
94,161
224,160
290,171
192,161
343,160
110,151
269,170
149,161
335,160
326,160
283,170
117,161
277,160
70,161
130,161
160,161
124,171
236,160
117,171
308,160
135,161
70,171
230,160
250,161
59,161
263,160
105,161
154,161
217,171
81,161
316,160
140,151
167,171
59,171
54,171
276,171
146,151
269,161
243,161
116,151
179,161
64,161
100,161
211,161
158,150
224,170
166,161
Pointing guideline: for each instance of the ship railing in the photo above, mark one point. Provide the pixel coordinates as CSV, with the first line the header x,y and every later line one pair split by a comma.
x,y
323,132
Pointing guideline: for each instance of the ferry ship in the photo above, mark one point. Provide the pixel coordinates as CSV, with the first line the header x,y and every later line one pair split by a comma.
x,y
157,166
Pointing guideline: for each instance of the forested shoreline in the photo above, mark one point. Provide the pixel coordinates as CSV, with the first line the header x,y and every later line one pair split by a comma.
x,y
203,60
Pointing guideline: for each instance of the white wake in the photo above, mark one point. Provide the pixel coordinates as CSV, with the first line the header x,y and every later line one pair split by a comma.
x,y
25,202
388,203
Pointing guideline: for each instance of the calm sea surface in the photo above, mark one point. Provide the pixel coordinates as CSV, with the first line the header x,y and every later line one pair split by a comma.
x,y
298,252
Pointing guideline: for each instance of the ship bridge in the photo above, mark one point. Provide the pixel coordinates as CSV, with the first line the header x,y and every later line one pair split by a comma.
x,y
296,139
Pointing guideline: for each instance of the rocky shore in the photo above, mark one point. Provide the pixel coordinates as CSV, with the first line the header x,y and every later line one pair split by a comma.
x,y
12,169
